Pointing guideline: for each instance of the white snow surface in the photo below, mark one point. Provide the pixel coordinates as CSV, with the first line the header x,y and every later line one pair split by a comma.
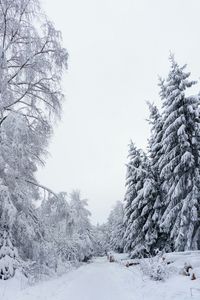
x,y
101,280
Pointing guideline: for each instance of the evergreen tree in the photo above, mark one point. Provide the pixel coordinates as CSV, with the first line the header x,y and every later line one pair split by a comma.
x,y
131,193
140,234
155,141
116,227
180,160
155,153
8,257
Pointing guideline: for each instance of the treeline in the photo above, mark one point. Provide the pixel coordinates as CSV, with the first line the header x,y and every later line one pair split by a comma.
x,y
162,202
37,239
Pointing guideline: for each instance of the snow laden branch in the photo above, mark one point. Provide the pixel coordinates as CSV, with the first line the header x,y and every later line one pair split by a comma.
x,y
44,188
31,60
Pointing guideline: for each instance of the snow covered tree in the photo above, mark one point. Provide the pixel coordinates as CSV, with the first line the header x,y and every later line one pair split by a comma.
x,y
82,227
17,195
31,65
180,160
116,228
57,222
101,240
141,230
132,179
155,152
155,141
8,256
162,203
68,234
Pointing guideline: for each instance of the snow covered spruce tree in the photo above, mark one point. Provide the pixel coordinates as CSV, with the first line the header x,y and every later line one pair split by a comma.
x,y
141,232
31,64
155,141
155,152
116,228
8,256
180,160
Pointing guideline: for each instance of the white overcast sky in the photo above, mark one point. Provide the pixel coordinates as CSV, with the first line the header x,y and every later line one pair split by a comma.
x,y
117,49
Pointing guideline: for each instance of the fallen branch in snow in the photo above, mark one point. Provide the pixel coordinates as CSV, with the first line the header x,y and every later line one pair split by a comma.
x,y
129,264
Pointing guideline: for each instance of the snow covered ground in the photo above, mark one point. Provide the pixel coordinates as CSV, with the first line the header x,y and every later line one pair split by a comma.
x,y
101,280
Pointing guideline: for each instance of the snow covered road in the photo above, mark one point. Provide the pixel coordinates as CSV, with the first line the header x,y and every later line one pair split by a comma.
x,y
101,280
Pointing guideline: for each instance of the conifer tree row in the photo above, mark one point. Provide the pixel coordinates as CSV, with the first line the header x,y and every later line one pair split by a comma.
x,y
162,202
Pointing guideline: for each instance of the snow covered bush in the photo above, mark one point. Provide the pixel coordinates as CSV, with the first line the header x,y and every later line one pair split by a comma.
x,y
155,267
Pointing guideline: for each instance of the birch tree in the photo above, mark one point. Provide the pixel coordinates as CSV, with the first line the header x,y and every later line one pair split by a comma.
x,y
32,61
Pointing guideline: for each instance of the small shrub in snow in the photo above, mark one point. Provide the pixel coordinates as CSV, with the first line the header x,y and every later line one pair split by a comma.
x,y
155,267
131,263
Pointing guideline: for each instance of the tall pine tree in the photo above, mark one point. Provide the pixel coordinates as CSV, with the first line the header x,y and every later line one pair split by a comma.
x,y
180,160
155,141
116,227
140,234
155,154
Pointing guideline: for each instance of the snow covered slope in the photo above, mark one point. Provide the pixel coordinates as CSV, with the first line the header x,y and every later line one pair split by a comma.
x,y
101,280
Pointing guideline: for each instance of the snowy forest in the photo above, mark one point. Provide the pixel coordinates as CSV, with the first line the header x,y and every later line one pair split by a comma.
x,y
41,231
44,233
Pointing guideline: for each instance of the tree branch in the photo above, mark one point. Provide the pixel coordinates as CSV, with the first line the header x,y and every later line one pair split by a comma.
x,y
43,187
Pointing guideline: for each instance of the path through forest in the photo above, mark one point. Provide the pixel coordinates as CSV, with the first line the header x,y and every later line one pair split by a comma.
x,y
101,280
